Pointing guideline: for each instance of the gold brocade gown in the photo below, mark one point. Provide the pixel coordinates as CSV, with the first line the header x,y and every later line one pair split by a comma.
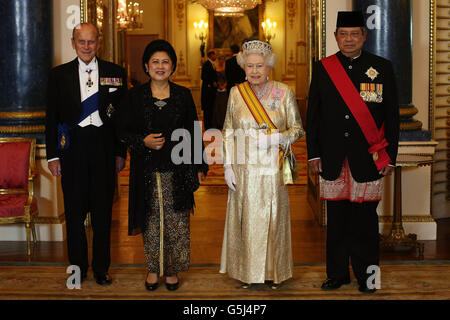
x,y
257,238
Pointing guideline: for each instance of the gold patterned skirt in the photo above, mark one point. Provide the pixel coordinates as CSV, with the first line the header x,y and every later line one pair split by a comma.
x,y
172,254
346,188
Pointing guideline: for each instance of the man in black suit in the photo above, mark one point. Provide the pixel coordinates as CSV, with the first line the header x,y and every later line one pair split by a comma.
x,y
209,87
82,146
234,73
340,149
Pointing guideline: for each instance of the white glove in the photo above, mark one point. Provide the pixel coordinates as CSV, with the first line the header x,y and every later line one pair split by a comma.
x,y
265,141
230,178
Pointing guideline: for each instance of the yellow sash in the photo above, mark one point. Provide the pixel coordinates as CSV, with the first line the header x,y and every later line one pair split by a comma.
x,y
259,113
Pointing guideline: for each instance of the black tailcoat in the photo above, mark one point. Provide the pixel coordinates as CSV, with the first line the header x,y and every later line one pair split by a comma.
x,y
234,73
209,76
88,164
64,102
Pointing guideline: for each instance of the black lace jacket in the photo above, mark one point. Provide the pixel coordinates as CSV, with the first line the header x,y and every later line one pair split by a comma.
x,y
140,117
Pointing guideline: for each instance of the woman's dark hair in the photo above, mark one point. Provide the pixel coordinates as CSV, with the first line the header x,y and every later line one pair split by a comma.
x,y
157,46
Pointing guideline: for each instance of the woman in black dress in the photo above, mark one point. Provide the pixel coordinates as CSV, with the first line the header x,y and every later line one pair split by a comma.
x,y
161,189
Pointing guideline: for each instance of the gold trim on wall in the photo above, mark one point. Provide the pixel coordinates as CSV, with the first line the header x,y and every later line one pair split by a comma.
x,y
83,11
51,220
323,42
22,129
406,218
22,115
432,66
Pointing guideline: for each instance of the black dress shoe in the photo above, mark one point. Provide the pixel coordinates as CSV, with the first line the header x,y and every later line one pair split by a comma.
x,y
151,286
333,284
172,286
364,289
103,279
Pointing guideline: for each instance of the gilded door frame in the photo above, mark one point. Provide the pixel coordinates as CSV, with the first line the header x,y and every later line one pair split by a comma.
x,y
317,51
432,67
84,11
87,9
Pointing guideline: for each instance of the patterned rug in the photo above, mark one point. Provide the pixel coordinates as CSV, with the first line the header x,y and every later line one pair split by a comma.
x,y
422,281
215,175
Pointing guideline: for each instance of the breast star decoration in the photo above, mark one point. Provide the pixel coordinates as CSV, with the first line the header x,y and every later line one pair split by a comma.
x,y
372,73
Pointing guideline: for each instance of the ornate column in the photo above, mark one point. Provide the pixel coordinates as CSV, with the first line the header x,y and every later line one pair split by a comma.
x,y
26,57
389,25
27,53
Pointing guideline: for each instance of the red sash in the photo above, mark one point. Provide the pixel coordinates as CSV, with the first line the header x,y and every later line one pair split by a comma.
x,y
360,111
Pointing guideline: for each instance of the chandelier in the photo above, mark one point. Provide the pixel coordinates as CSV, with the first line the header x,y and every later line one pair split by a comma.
x,y
129,15
229,8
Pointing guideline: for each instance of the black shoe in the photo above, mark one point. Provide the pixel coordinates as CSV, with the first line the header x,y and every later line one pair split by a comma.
x,y
151,286
333,284
172,286
364,289
103,279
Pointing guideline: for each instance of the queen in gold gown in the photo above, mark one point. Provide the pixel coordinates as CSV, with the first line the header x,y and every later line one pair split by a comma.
x,y
257,238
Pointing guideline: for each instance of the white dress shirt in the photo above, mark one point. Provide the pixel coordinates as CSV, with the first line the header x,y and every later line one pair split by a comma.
x,y
86,91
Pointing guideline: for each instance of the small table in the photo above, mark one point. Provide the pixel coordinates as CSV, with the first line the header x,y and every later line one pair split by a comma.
x,y
397,240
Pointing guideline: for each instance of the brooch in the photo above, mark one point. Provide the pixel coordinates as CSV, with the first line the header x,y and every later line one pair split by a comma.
x,y
372,73
277,94
110,110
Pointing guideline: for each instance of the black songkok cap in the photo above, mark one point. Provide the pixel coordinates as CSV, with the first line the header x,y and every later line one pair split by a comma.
x,y
350,19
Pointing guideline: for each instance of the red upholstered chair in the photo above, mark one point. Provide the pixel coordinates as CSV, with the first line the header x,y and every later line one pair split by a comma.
x,y
17,170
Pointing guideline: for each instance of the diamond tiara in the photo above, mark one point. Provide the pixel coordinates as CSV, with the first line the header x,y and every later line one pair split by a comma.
x,y
256,45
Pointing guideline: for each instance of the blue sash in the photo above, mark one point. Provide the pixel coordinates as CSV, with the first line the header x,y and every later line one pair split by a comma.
x,y
88,106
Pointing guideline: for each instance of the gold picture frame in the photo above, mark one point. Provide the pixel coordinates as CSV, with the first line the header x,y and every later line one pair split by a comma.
x,y
212,21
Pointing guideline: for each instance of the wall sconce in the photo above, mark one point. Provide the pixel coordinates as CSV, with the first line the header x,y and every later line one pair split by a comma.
x,y
201,33
269,29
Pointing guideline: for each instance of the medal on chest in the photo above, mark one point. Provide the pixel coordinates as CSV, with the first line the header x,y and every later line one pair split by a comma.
x,y
89,83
